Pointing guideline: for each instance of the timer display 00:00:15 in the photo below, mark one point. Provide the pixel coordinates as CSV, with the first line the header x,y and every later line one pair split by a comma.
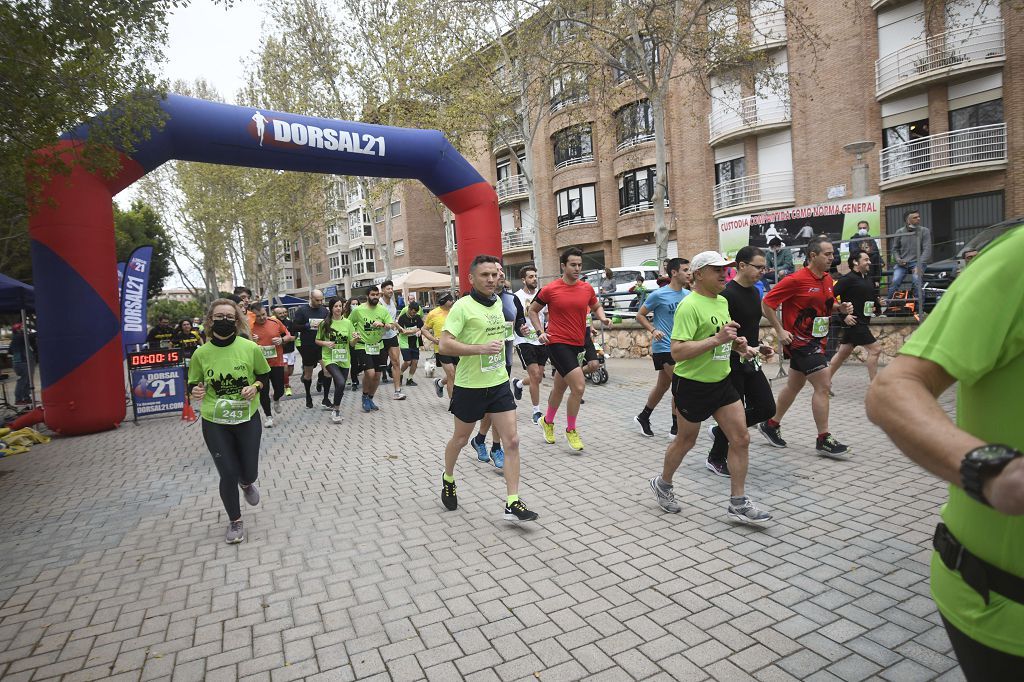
x,y
154,359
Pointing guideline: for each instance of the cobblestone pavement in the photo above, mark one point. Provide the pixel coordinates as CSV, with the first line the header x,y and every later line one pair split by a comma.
x,y
113,564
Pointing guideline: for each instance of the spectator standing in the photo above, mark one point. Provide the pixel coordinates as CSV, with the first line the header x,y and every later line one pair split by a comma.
x,y
778,263
160,335
21,345
911,251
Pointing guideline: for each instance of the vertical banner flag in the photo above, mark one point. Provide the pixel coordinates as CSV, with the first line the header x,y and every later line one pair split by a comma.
x,y
120,280
133,297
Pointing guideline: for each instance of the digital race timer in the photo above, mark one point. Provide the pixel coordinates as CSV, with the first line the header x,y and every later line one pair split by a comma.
x,y
154,358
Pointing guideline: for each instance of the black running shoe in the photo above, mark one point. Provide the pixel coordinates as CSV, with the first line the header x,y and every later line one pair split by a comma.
x,y
517,389
410,382
773,434
328,405
717,467
675,428
518,512
439,388
448,499
830,447
645,425
309,403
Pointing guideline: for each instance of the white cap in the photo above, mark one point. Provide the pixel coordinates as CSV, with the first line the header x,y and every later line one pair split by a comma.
x,y
705,258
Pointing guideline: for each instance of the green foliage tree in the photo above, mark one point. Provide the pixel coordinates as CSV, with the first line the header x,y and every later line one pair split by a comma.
x,y
60,63
176,310
138,226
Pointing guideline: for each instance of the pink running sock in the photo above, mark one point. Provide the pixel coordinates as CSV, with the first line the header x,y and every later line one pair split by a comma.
x,y
570,423
550,416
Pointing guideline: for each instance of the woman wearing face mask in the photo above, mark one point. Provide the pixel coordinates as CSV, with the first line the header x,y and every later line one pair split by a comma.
x,y
334,338
227,373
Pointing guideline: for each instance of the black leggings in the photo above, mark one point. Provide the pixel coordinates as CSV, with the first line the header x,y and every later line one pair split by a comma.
x,y
758,403
277,379
236,453
981,663
340,376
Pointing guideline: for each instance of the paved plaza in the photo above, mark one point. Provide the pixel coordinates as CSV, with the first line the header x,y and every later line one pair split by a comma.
x,y
113,563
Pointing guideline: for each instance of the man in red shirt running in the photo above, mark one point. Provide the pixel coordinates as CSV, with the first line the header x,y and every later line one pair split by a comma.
x,y
568,300
806,298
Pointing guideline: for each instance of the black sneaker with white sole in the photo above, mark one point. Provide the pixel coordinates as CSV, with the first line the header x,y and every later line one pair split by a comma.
x,y
517,389
828,446
645,425
448,498
439,388
717,467
518,512
773,434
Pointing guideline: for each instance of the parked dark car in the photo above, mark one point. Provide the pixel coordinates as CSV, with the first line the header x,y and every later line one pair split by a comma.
x,y
940,274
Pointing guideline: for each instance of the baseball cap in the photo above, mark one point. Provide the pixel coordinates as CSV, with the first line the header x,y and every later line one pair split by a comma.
x,y
705,258
444,299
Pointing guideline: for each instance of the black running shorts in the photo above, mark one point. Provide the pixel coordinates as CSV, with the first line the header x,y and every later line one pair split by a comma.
x,y
391,343
410,354
697,400
311,354
858,335
565,358
375,362
447,359
532,354
807,359
471,404
662,359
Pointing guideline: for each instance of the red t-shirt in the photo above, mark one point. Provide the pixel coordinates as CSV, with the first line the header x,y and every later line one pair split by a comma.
x,y
263,335
567,310
803,297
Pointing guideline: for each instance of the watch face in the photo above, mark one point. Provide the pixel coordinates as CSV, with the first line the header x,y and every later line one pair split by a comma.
x,y
990,453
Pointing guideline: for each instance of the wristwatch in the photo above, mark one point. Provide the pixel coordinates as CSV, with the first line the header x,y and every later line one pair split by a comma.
x,y
981,464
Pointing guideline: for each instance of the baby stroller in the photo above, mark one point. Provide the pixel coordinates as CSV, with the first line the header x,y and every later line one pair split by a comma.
x,y
600,375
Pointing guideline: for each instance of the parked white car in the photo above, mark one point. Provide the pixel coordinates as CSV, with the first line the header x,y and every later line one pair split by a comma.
x,y
625,279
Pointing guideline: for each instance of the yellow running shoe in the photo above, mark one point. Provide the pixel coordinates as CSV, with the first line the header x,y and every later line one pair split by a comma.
x,y
575,442
549,431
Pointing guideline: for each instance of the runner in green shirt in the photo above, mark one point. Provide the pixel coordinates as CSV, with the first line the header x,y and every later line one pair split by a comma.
x,y
370,321
475,331
975,337
227,374
703,336
335,337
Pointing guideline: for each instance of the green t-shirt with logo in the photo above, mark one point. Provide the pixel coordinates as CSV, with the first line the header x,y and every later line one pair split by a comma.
x,y
698,317
474,323
371,339
340,332
976,334
225,371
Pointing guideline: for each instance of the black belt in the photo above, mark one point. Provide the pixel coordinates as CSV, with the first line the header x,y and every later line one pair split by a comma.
x,y
980,575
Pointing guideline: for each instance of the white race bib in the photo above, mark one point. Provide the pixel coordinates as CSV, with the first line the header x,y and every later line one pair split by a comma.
x,y
869,308
508,331
314,322
373,349
492,361
269,351
819,328
339,353
722,351
227,411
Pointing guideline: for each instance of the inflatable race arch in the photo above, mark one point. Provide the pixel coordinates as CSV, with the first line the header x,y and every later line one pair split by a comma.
x,y
72,229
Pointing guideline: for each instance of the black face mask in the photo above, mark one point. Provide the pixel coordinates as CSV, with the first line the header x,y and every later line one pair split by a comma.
x,y
224,327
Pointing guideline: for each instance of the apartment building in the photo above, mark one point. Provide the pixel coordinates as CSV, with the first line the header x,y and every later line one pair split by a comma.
x,y
936,87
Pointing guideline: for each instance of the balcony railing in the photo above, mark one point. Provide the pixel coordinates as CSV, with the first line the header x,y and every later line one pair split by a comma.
x,y
508,138
769,29
633,141
640,206
562,102
747,114
513,187
752,191
930,58
586,158
513,241
579,220
945,154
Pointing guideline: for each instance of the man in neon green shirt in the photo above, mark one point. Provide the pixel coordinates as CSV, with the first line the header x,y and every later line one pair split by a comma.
x,y
371,320
976,337
703,337
475,332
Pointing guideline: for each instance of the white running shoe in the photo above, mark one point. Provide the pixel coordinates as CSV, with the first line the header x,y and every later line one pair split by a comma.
x,y
268,423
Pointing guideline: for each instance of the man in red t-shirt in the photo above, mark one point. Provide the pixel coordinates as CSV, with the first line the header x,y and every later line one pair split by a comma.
x,y
270,335
568,300
806,299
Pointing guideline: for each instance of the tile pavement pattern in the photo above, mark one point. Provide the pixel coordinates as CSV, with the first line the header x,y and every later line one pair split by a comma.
x,y
113,565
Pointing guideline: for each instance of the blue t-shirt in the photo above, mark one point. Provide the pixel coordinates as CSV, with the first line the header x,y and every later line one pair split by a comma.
x,y
662,302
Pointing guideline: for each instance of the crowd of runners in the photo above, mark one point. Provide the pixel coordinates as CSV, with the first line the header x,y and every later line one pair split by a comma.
x,y
704,340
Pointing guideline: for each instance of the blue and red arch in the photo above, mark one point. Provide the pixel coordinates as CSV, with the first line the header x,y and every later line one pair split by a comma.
x,y
72,229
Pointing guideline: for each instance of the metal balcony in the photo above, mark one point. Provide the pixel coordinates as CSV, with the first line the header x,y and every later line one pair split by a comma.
x,y
769,30
945,155
578,220
586,158
517,241
754,192
746,116
639,206
937,57
561,102
512,188
633,141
